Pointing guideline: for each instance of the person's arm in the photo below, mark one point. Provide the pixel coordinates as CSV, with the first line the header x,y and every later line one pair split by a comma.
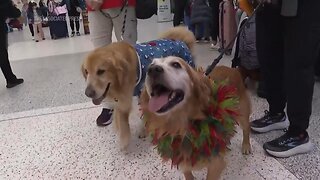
x,y
7,9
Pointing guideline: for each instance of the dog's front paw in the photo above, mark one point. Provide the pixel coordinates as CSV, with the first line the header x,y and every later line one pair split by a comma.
x,y
143,133
124,143
246,149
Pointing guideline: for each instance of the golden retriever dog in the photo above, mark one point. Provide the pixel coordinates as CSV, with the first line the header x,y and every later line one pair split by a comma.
x,y
116,72
176,94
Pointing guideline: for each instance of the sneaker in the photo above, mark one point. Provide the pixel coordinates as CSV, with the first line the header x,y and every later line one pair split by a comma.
x,y
270,122
43,38
33,38
105,118
37,40
14,83
214,46
206,40
288,145
72,34
78,34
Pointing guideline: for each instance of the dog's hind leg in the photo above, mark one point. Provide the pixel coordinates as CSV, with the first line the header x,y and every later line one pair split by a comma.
x,y
244,124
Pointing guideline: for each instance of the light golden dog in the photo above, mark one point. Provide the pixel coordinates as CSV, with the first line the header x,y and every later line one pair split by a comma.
x,y
175,93
111,73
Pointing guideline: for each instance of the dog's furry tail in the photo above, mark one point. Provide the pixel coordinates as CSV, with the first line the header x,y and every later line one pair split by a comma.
x,y
181,34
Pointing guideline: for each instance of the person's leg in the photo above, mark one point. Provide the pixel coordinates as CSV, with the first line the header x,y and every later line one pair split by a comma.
x,y
317,68
179,6
77,21
41,31
101,35
128,21
71,19
31,30
100,28
37,34
5,66
214,4
301,48
269,34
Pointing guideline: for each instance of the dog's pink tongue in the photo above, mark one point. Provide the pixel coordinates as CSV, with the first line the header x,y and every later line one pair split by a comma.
x,y
157,102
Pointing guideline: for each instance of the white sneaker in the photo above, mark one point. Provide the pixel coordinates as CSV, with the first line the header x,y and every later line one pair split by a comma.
x,y
214,46
32,38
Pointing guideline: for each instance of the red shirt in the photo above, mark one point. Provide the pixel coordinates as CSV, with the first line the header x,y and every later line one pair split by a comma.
x,y
108,4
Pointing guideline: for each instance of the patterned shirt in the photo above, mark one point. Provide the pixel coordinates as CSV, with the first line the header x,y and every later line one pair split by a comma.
x,y
157,49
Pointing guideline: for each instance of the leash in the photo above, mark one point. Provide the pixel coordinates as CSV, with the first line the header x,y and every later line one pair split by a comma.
x,y
126,2
217,60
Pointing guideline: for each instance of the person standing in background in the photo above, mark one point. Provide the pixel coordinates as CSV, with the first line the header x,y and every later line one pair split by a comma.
x,y
24,14
179,8
7,10
214,4
104,16
35,17
74,11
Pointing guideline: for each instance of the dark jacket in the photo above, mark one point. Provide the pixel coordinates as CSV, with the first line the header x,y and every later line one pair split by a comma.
x,y
71,5
201,12
30,14
7,10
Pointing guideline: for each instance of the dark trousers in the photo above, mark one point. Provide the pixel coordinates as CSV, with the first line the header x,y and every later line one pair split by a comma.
x,y
317,69
287,49
179,7
214,4
4,59
31,29
74,19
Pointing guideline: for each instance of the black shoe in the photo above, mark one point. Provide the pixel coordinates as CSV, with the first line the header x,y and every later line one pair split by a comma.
x,y
288,145
14,83
105,118
78,34
72,34
270,122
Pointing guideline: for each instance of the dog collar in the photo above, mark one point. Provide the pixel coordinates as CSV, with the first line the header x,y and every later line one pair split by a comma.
x,y
204,138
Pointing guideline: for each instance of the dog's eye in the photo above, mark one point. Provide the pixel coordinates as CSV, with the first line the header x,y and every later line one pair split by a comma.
x,y
176,65
100,72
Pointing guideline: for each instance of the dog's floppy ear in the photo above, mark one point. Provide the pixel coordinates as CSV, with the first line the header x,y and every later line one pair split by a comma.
x,y
121,65
201,85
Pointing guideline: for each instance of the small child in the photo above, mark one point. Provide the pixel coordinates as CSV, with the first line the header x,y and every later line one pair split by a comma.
x,y
35,17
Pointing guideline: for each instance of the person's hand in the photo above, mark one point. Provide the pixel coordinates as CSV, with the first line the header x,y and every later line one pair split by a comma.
x,y
95,4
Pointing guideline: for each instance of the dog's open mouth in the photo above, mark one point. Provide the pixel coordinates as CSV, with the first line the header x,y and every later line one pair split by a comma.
x,y
100,99
163,99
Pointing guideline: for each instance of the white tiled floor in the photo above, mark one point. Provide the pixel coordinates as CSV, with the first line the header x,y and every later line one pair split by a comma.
x,y
48,131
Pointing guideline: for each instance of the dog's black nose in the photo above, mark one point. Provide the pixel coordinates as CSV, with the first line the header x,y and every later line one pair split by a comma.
x,y
155,70
90,92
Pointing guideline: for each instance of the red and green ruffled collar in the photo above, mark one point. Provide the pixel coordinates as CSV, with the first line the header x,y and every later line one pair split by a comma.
x,y
204,138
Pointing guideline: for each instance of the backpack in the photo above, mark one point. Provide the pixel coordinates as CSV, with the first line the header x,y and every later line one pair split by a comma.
x,y
145,9
246,52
